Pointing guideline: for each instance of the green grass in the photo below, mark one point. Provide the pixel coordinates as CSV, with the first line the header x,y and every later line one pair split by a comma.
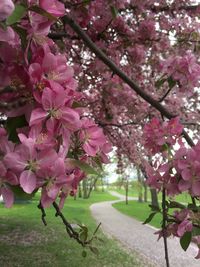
x,y
25,241
133,192
139,211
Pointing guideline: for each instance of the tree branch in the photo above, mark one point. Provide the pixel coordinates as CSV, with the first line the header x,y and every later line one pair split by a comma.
x,y
165,95
43,213
71,232
115,69
60,35
117,125
14,104
164,212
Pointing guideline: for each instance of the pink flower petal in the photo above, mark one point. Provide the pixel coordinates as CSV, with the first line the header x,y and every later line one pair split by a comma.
x,y
37,116
8,196
28,181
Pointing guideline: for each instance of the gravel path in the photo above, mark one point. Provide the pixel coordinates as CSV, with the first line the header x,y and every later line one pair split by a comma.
x,y
140,238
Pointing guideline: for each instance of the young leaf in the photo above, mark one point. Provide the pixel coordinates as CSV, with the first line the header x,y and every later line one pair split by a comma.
x,y
84,166
154,208
12,125
97,160
160,82
42,12
174,204
86,2
17,14
20,194
114,11
195,231
94,250
150,217
22,34
3,25
185,240
171,82
84,254
83,235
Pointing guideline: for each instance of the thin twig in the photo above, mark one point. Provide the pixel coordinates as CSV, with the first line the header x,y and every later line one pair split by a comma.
x,y
71,232
14,104
164,212
165,95
43,213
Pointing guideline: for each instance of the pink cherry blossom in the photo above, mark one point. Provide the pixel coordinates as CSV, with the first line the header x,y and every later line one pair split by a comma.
x,y
6,9
92,137
53,7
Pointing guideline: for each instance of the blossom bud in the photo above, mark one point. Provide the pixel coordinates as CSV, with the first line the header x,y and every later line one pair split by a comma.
x,y
6,9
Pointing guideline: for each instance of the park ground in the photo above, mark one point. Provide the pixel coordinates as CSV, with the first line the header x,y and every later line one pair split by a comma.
x,y
25,241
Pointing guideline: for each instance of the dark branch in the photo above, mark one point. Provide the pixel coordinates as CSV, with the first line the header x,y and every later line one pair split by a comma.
x,y
117,125
173,8
71,232
14,104
165,95
60,35
164,211
43,213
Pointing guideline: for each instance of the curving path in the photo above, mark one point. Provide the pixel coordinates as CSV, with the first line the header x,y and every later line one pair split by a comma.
x,y
133,235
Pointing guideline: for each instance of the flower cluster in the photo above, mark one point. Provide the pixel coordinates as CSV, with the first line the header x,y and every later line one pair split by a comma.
x,y
157,134
39,89
184,70
187,165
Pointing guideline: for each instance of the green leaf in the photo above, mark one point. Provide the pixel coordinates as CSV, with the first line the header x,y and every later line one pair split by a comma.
x,y
86,2
195,231
3,25
174,204
154,208
165,147
160,82
94,250
114,11
84,166
84,254
22,34
77,105
17,14
185,240
42,12
171,82
12,125
83,235
99,239
97,160
192,207
20,194
150,217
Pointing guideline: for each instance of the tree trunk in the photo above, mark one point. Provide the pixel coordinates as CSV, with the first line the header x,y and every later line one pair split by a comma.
x,y
80,190
126,188
84,188
140,196
92,185
154,198
102,184
145,192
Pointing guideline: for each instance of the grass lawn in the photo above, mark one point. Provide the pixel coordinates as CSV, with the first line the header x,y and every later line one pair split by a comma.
x,y
25,241
139,211
133,192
